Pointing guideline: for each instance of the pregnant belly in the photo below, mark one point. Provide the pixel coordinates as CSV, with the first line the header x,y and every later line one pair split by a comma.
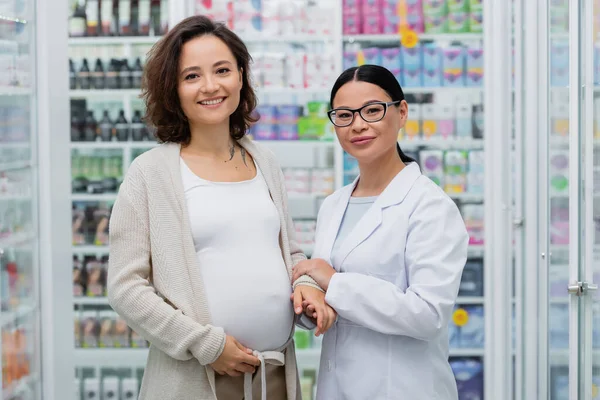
x,y
251,303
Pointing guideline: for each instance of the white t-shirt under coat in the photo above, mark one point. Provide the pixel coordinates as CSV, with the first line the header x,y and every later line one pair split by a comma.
x,y
235,227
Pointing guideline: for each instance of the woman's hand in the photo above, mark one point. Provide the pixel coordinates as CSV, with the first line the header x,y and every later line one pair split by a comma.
x,y
324,315
235,359
316,268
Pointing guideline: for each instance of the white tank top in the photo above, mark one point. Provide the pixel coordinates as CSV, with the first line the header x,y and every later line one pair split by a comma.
x,y
235,227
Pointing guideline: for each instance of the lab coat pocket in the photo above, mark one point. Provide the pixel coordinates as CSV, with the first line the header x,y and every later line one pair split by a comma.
x,y
362,363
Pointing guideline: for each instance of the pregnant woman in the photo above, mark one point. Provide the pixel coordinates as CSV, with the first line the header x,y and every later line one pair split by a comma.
x,y
201,242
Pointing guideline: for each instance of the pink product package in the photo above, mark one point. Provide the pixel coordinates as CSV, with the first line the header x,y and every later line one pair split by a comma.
x,y
371,7
415,9
446,128
416,23
352,25
372,24
390,24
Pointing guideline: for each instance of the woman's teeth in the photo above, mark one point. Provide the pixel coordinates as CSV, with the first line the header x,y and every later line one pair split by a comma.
x,y
211,102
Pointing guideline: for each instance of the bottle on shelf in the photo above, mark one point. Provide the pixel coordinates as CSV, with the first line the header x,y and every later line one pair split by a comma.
x,y
134,18
106,127
72,75
77,21
84,75
112,75
122,127
92,12
91,127
107,18
125,75
139,131
98,77
144,17
124,17
76,132
136,74
155,18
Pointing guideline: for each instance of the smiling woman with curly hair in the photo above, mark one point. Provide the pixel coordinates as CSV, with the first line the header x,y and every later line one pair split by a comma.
x,y
201,241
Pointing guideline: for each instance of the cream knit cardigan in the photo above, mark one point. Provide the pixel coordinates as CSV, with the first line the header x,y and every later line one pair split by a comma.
x,y
155,280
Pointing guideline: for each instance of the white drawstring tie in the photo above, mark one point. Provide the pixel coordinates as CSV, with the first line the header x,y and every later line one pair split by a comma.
x,y
266,357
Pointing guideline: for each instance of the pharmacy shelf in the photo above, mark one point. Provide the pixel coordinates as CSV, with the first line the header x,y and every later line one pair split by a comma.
x,y
476,251
467,352
467,197
90,249
112,145
16,240
15,197
113,41
14,91
14,165
262,91
297,144
13,317
90,301
560,357
94,197
391,38
443,144
102,93
134,358
306,38
463,300
456,91
15,145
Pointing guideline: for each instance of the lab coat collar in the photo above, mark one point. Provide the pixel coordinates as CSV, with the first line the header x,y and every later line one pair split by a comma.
x,y
393,194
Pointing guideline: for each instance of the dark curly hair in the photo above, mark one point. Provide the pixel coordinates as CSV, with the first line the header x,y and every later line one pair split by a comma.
x,y
160,82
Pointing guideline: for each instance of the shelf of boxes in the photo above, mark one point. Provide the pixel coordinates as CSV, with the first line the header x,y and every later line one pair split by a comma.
x,y
113,41
396,38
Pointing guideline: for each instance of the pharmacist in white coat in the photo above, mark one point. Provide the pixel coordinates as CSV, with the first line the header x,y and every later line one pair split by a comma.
x,y
390,250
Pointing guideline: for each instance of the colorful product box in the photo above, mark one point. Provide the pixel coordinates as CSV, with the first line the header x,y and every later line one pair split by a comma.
x,y
372,24
474,67
435,7
476,21
392,60
436,23
454,66
372,56
458,22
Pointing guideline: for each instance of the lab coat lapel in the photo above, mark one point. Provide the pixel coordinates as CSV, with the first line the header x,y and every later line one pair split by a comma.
x,y
393,194
336,213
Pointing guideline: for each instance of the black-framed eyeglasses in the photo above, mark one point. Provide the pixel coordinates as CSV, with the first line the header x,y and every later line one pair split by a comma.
x,y
371,112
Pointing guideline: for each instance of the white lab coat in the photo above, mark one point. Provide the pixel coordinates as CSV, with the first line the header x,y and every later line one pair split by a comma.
x,y
399,274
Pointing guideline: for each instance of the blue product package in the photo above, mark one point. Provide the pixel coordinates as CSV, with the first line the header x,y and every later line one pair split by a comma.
x,y
474,67
372,55
453,62
472,334
288,114
432,77
287,132
391,59
432,56
265,131
471,283
468,373
412,77
268,114
350,59
412,58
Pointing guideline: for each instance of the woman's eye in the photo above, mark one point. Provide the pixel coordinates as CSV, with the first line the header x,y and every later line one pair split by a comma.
x,y
223,71
191,76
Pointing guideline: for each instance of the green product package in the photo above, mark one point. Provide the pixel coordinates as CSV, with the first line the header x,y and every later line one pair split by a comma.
x,y
302,339
317,109
458,22
312,128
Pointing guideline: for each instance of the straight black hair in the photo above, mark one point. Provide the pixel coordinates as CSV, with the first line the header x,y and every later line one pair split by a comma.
x,y
375,75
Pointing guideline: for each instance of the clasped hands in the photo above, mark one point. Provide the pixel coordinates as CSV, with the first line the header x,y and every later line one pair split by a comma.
x,y
311,301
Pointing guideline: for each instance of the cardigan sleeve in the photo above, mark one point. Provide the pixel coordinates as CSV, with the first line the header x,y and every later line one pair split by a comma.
x,y
132,296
